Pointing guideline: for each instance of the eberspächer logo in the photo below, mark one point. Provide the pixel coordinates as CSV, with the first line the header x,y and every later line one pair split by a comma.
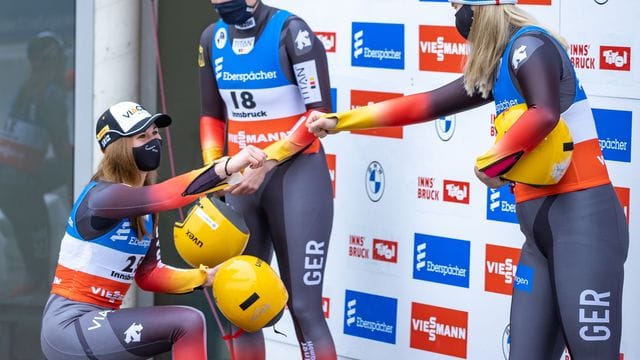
x,y
374,181
377,45
370,316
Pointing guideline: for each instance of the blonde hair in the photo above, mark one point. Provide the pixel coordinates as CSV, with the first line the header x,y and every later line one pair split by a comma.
x,y
118,166
491,31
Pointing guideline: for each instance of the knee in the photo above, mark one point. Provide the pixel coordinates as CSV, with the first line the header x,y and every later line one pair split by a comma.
x,y
302,309
191,318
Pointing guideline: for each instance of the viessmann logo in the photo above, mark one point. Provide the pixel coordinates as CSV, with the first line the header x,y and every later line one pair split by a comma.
x,y
370,316
500,268
360,98
441,260
377,45
439,330
442,49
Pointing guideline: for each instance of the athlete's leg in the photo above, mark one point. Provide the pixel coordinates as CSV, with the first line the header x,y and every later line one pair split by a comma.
x,y
535,326
250,346
300,203
132,333
591,240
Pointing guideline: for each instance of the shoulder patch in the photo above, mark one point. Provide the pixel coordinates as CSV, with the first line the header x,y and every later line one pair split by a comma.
x,y
200,56
519,55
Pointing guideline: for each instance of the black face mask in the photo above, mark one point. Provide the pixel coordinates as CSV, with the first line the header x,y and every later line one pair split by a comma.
x,y
147,156
464,20
233,12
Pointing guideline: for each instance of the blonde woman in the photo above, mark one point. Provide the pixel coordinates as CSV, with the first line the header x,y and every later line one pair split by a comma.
x,y
571,267
111,240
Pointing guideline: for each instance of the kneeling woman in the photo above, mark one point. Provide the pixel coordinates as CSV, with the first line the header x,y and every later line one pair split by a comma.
x,y
111,240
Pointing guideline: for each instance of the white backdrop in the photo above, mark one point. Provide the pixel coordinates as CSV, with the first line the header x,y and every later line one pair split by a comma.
x,y
400,192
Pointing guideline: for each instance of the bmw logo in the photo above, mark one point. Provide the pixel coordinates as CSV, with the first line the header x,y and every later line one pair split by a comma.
x,y
506,341
374,181
601,2
445,127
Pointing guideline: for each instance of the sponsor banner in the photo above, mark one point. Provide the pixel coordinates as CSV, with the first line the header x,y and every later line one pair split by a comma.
x,y
441,260
614,133
524,278
439,330
385,250
615,58
370,316
358,247
377,45
500,268
442,49
455,191
501,204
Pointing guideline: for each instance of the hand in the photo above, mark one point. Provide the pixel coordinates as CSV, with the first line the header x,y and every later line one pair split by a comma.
x,y
250,156
320,126
253,178
492,182
211,274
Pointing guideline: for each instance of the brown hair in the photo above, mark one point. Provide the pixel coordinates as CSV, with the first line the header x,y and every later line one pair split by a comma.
x,y
490,33
119,166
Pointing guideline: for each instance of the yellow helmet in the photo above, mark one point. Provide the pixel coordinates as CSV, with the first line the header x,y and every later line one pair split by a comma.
x,y
546,164
212,233
249,293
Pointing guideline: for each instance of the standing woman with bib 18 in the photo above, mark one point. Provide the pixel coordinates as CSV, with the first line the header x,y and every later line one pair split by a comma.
x,y
262,70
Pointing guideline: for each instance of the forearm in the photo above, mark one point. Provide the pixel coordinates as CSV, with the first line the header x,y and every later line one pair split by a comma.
x,y
153,275
117,201
297,140
410,109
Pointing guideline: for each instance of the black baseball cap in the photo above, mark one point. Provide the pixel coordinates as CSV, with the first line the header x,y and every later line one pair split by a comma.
x,y
126,119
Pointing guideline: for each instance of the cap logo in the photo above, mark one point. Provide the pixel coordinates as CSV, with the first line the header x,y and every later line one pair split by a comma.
x,y
102,132
105,141
133,111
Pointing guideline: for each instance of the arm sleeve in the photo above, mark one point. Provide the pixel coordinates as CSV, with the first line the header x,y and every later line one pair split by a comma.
x,y
117,201
153,275
212,112
410,109
538,78
211,138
